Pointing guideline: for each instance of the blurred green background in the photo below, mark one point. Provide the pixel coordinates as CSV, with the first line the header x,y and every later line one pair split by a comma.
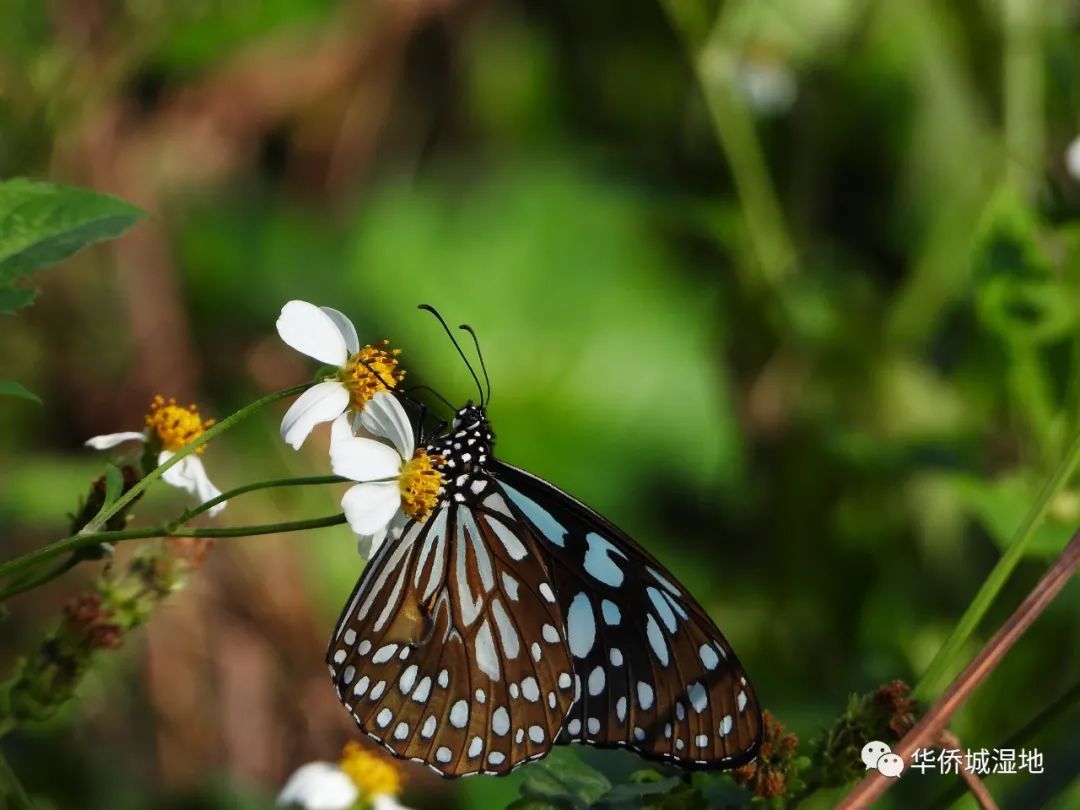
x,y
788,290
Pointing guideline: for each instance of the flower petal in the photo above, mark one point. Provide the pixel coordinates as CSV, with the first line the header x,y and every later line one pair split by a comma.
x,y
341,429
319,786
180,475
364,459
320,403
368,545
204,487
384,801
311,331
110,440
369,507
384,416
345,326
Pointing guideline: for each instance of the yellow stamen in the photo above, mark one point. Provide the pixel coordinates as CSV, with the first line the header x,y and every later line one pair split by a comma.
x,y
420,483
173,425
370,370
372,774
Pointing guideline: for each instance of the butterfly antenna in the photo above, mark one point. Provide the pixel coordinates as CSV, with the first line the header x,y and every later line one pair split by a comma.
x,y
432,391
480,354
457,346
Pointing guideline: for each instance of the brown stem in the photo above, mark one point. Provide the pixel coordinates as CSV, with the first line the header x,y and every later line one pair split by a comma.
x,y
974,783
929,728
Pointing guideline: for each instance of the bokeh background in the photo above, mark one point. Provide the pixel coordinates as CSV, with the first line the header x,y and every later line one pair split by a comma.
x,y
789,290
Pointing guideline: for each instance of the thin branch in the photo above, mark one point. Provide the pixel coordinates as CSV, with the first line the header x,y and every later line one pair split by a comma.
x,y
930,727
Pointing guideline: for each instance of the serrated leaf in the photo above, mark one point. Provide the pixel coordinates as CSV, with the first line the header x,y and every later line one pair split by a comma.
x,y
10,388
43,223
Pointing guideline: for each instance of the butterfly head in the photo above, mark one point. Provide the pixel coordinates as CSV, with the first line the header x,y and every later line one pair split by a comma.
x,y
465,448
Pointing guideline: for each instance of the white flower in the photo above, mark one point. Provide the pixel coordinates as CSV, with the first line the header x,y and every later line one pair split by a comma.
x,y
170,427
319,786
1072,158
330,337
360,775
396,483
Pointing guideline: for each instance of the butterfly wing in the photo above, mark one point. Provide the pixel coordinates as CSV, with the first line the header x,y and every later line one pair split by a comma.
x,y
652,671
443,646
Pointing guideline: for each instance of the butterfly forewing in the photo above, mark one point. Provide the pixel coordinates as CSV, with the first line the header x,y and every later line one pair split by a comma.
x,y
652,671
451,650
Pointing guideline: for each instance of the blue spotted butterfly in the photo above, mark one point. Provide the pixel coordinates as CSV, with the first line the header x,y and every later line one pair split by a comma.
x,y
514,617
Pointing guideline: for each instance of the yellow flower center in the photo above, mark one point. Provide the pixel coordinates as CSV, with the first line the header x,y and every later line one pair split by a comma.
x,y
370,370
173,425
372,774
420,483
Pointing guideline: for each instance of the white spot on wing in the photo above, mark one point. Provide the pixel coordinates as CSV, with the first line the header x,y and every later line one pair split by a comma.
x,y
580,626
663,609
726,725
384,717
656,640
423,689
486,657
598,562
708,657
428,731
612,614
699,697
500,722
459,714
597,680
507,634
644,695
377,691
550,528
514,547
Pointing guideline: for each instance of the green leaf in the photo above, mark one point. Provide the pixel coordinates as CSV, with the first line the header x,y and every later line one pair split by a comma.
x,y
13,298
535,804
1000,506
114,483
10,388
563,776
631,794
43,223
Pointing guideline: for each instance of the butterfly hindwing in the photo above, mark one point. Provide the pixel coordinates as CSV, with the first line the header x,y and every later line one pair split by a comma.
x,y
652,671
450,650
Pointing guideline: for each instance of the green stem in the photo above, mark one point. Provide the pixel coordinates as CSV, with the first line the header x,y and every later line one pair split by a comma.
x,y
226,423
195,511
78,541
714,62
1024,84
14,786
937,674
33,581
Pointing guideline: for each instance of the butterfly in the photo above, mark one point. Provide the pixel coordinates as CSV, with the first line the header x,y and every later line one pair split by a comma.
x,y
513,617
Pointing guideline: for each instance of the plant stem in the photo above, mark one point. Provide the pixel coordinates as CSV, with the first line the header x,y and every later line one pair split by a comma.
x,y
33,581
226,423
929,728
78,541
714,62
933,679
194,512
14,786
1019,739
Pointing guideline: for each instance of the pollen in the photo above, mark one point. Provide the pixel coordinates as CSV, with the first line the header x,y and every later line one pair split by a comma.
x,y
371,370
372,774
174,425
420,483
